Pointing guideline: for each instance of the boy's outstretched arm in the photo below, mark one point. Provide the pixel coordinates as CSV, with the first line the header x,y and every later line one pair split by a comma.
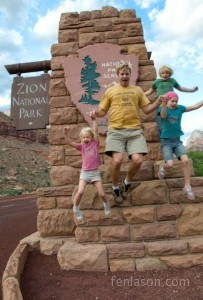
x,y
195,106
66,132
149,92
187,90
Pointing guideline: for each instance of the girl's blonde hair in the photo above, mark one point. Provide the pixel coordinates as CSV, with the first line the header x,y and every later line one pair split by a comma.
x,y
123,64
87,129
165,69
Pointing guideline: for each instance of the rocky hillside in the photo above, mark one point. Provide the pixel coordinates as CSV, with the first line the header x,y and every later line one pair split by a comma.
x,y
7,129
195,141
23,158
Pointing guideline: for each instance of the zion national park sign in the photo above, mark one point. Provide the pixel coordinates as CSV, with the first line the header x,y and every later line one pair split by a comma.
x,y
89,75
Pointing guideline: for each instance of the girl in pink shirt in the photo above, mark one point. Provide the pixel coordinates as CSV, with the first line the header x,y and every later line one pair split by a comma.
x,y
89,148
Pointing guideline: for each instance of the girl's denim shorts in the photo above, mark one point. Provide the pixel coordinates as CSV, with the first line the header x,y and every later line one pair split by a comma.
x,y
172,146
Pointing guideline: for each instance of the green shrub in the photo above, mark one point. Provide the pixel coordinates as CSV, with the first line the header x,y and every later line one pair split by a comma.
x,y
197,158
9,192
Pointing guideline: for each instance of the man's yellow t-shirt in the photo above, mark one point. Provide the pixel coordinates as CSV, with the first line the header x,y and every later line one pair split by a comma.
x,y
123,104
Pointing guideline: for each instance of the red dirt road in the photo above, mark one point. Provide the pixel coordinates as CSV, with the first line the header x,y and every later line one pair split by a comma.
x,y
18,218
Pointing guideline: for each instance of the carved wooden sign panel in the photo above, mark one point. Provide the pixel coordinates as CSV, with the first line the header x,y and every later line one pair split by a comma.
x,y
89,75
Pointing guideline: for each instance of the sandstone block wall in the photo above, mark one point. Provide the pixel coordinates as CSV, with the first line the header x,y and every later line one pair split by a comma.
x,y
77,31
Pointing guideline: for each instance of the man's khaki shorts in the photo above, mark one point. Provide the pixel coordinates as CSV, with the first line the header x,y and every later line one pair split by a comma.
x,y
123,140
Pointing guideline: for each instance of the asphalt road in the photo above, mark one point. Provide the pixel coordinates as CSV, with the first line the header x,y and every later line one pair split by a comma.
x,y
18,219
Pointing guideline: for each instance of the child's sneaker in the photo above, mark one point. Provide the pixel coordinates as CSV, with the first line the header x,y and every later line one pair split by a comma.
x,y
107,208
117,195
189,193
161,173
78,214
126,186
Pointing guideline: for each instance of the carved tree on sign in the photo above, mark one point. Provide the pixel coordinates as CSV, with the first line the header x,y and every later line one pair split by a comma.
x,y
89,82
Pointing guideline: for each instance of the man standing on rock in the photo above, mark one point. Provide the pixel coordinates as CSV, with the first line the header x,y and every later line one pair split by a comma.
x,y
123,102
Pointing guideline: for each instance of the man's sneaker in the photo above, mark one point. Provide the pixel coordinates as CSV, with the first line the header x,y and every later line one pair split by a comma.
x,y
107,208
77,213
117,195
189,193
126,186
161,173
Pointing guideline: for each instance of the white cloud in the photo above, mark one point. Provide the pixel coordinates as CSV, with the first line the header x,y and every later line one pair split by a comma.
x,y
46,27
10,38
177,34
15,12
152,14
180,19
145,3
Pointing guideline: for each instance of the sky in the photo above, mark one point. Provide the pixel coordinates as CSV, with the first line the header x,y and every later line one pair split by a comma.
x,y
172,32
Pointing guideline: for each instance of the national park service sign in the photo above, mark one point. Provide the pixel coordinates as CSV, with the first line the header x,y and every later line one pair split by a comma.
x,y
89,75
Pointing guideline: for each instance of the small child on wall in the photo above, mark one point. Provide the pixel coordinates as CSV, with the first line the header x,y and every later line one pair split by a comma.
x,y
89,148
166,83
171,113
